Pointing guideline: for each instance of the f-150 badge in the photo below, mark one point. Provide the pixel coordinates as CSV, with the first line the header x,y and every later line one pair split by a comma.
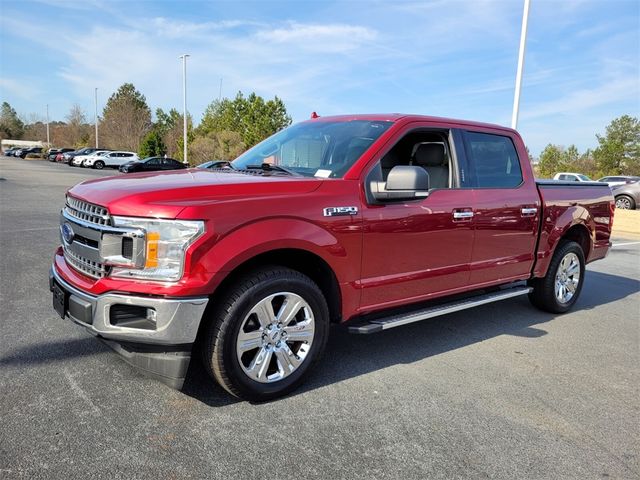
x,y
340,211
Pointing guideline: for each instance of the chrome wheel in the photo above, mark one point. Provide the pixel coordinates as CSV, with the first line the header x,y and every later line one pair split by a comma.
x,y
275,337
623,203
567,277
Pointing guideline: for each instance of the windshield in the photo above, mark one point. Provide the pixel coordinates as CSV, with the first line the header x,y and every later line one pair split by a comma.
x,y
584,178
321,149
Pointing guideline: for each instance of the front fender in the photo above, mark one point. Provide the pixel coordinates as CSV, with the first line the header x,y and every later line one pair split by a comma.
x,y
338,247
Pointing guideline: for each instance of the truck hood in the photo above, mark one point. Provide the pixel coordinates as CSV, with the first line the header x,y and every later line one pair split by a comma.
x,y
166,194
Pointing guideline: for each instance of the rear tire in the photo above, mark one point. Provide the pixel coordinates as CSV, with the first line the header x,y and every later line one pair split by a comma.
x,y
257,349
625,202
560,288
98,165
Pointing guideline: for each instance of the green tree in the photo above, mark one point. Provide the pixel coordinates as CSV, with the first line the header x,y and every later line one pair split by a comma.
x,y
618,152
551,160
252,117
126,119
10,125
223,145
152,145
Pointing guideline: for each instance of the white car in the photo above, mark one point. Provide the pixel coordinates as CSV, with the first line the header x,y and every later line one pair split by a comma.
x,y
89,160
571,177
79,160
112,159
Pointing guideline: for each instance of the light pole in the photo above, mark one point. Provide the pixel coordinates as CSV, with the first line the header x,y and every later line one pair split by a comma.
x,y
523,42
184,104
48,143
96,115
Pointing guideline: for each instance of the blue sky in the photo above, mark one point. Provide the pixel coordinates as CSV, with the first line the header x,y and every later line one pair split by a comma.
x,y
442,57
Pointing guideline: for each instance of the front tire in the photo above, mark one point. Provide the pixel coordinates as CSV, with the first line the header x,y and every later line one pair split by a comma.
x,y
267,333
560,288
625,202
99,165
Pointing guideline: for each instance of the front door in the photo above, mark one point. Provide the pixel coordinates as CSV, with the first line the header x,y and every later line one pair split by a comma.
x,y
419,249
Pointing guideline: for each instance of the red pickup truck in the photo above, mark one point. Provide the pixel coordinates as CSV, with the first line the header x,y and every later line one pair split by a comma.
x,y
374,221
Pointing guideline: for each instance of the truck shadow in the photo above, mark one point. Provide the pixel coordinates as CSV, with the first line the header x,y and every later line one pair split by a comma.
x,y
348,356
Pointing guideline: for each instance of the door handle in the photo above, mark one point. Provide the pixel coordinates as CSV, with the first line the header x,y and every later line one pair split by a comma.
x,y
529,212
462,215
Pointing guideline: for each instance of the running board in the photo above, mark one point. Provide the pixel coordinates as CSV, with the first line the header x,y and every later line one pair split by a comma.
x,y
379,324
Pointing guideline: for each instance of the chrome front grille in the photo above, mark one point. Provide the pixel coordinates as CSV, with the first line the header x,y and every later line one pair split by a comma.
x,y
84,265
87,212
87,222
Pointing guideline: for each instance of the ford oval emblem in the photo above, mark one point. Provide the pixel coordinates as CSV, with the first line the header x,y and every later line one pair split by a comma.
x,y
67,233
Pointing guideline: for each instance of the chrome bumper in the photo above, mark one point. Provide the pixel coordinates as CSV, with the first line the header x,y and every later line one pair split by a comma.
x,y
176,320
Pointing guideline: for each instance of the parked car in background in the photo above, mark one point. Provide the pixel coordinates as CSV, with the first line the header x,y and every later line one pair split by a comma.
x,y
152,164
89,160
571,177
114,159
53,153
619,180
214,164
10,151
627,195
26,151
83,151
79,160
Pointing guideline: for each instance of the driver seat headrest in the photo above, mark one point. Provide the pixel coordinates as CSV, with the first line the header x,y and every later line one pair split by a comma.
x,y
429,155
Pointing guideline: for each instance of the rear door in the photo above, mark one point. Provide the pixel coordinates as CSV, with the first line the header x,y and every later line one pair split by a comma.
x,y
506,209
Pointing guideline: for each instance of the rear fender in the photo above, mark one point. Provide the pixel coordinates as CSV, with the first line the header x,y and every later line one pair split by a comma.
x,y
556,225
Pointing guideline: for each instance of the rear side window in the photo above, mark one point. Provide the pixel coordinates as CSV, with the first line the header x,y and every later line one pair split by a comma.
x,y
494,160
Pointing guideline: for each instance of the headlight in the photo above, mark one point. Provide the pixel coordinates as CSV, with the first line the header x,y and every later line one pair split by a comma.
x,y
166,242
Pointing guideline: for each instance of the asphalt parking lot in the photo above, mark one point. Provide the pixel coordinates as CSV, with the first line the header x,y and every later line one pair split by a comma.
x,y
502,391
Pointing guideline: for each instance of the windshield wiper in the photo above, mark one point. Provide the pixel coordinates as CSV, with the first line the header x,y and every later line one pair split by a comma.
x,y
268,167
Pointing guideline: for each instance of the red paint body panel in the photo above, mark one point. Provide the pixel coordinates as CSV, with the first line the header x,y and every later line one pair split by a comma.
x,y
385,256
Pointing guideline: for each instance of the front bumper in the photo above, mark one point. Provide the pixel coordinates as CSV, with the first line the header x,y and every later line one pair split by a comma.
x,y
160,348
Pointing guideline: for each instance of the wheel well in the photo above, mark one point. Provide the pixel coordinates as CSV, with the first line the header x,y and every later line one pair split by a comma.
x,y
302,261
580,235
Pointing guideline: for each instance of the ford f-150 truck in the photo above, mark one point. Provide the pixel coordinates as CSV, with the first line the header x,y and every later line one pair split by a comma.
x,y
374,221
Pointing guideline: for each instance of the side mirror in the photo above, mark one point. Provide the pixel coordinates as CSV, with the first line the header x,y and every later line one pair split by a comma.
x,y
404,182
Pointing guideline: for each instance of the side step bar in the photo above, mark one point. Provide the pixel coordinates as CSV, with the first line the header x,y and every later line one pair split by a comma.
x,y
379,324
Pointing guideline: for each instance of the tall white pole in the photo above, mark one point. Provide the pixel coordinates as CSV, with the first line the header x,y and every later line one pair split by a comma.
x,y
48,142
96,115
184,104
523,43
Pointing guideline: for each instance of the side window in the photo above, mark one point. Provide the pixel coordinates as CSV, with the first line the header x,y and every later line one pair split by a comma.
x,y
427,149
494,160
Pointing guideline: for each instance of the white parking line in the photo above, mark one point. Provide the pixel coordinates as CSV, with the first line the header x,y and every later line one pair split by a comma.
x,y
624,244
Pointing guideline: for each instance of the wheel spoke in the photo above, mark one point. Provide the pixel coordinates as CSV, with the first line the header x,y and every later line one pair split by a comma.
x,y
259,365
249,340
264,312
573,268
287,360
572,285
290,307
300,333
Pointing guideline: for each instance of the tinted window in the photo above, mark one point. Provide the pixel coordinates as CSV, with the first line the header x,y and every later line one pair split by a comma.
x,y
153,162
494,159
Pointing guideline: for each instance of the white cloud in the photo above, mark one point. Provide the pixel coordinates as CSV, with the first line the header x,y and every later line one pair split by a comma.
x,y
18,88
